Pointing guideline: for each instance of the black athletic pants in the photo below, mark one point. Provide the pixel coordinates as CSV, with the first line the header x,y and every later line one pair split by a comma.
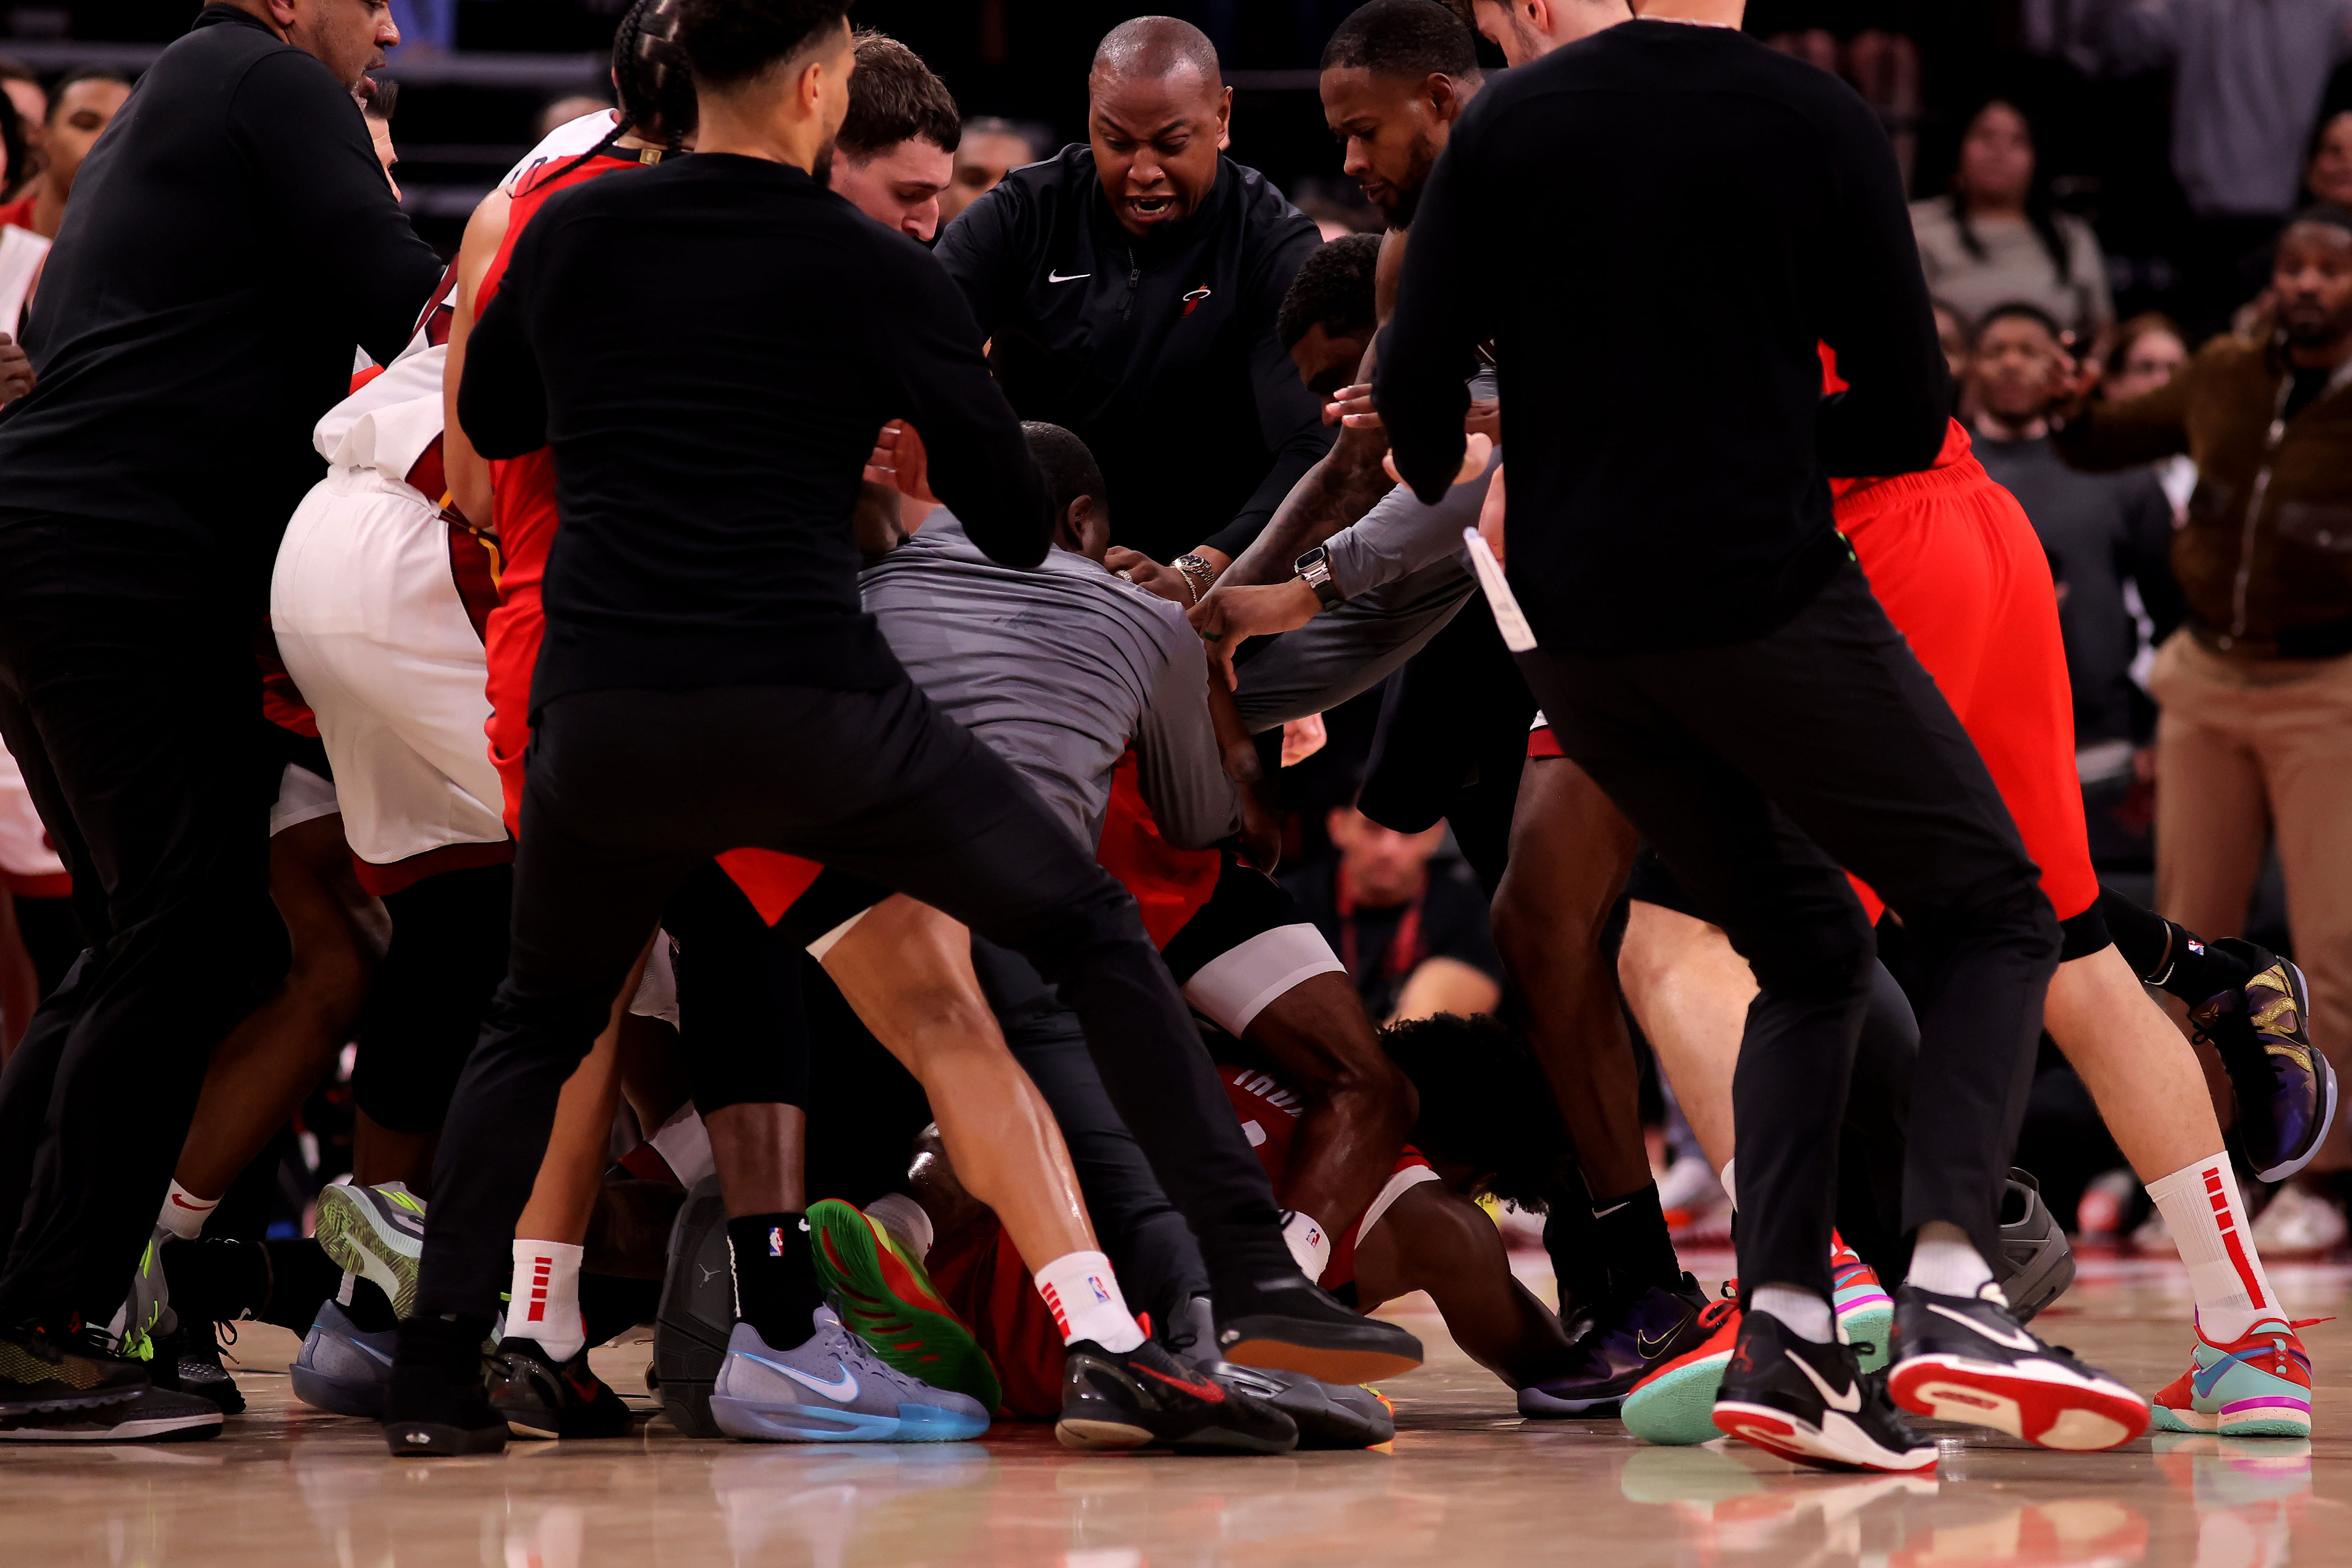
x,y
129,696
1757,771
630,790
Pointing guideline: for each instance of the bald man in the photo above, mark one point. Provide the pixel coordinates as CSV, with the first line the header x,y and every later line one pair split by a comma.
x,y
1130,286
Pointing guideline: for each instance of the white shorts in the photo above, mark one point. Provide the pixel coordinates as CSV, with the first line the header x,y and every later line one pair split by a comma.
x,y
1233,988
370,626
302,796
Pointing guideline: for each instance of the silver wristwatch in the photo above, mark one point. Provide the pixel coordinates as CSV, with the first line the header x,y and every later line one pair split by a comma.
x,y
1314,569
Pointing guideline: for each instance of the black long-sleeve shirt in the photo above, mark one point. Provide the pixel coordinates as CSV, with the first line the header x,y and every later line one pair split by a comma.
x,y
711,347
1161,352
1657,225
231,237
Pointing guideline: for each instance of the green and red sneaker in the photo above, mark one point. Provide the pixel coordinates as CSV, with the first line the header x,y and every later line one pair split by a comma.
x,y
884,1297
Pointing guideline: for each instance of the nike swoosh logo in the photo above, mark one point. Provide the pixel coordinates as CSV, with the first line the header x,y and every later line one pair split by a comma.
x,y
1849,1402
1202,1390
2015,1339
198,1207
2204,1381
1051,276
843,1389
368,1349
1650,1351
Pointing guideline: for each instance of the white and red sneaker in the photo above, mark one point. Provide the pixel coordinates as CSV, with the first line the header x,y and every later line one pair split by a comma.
x,y
1966,1358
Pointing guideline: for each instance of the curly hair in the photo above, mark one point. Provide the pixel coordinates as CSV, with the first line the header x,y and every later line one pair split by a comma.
x,y
1484,1103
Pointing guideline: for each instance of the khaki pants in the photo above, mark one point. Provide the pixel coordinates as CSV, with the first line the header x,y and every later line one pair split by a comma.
x,y
2246,748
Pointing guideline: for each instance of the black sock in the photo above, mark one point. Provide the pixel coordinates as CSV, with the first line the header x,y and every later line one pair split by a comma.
x,y
217,1278
611,1305
369,1309
775,1278
2166,956
1573,1242
1633,1238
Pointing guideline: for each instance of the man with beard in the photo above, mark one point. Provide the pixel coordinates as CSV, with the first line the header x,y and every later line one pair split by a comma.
x,y
1130,286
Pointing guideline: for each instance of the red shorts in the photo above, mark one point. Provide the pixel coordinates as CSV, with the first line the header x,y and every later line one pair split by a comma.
x,y
1963,576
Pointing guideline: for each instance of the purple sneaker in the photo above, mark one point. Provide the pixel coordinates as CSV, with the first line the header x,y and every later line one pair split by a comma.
x,y
2285,1089
1632,1341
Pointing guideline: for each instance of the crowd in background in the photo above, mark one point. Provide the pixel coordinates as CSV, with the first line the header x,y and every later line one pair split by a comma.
x,y
2260,130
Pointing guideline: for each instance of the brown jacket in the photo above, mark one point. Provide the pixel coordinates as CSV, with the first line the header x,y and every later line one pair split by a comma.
x,y
2266,559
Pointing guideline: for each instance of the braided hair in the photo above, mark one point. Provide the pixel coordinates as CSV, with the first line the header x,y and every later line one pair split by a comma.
x,y
652,78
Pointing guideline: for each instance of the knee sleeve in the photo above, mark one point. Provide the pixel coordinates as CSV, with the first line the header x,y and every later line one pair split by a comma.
x,y
431,995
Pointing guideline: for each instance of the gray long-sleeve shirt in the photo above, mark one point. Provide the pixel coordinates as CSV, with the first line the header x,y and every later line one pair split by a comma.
x,y
1057,669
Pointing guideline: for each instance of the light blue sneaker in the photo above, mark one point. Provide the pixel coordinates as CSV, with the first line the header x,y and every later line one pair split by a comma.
x,y
831,1390
377,1233
340,1368
2258,1386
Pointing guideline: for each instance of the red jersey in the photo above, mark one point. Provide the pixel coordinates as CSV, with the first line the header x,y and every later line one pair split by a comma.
x,y
17,214
1268,1109
1169,885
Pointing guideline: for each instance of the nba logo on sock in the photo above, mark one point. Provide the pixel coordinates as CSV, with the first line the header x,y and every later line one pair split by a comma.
x,y
775,1242
1094,1284
2195,947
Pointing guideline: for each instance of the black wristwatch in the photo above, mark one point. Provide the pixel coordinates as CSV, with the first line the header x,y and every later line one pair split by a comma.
x,y
1314,569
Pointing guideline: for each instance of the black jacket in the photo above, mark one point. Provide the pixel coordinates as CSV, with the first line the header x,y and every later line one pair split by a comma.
x,y
231,237
1159,354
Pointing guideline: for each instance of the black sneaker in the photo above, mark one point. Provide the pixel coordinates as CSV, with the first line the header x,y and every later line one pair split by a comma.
x,y
1270,1314
189,1359
157,1415
540,1399
435,1403
1812,1403
1145,1398
44,1370
2285,1089
1327,1414
1966,1358
697,1312
1632,1339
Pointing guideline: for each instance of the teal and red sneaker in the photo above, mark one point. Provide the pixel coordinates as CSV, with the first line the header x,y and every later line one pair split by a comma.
x,y
1674,1405
2258,1386
1865,1313
884,1298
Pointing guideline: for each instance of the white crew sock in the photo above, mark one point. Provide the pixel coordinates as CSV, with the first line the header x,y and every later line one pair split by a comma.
x,y
543,1302
1945,1261
2208,1220
1310,1242
184,1213
906,1221
1800,1312
1723,1176
1082,1293
684,1145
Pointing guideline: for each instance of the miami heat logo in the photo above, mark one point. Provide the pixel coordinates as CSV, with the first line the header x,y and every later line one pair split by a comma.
x,y
1193,300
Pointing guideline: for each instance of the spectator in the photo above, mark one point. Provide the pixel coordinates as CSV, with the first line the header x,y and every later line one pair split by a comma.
x,y
22,87
1865,44
1409,921
84,104
2248,82
1995,236
2327,172
15,154
2101,530
2148,352
562,111
896,152
2256,687
991,149
1956,336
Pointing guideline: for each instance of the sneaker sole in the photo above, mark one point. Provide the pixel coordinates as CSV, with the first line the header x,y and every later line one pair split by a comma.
x,y
1842,1447
157,1429
1676,1407
807,1424
348,1233
2273,1421
2051,1408
425,1437
1873,1325
1328,1363
1103,1436
886,1299
54,1403
337,1395
1100,1435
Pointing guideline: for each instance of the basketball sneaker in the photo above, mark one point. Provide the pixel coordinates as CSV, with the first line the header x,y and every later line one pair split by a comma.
x,y
834,1389
1865,1313
1966,1358
1327,1414
341,1368
1674,1405
697,1315
145,1315
436,1402
1271,1315
1631,1341
1146,1398
2257,1387
540,1399
378,1233
2286,1090
1812,1403
886,1299
158,1415
41,1369
189,1359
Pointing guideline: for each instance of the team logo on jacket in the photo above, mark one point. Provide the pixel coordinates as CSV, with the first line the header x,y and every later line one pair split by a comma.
x,y
1193,300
